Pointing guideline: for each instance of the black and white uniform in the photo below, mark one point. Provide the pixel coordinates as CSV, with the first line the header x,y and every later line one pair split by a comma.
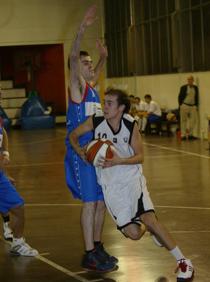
x,y
124,186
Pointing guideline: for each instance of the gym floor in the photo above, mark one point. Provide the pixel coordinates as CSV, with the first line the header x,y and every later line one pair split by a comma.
x,y
177,178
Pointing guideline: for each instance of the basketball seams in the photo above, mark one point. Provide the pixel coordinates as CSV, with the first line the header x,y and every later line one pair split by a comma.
x,y
92,149
99,148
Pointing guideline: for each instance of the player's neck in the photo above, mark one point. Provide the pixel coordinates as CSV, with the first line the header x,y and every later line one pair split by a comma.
x,y
114,123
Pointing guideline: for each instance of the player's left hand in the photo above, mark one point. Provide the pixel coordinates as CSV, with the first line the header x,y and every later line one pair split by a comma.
x,y
102,49
115,160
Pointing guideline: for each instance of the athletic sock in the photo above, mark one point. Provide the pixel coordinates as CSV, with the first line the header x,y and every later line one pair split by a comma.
x,y
176,252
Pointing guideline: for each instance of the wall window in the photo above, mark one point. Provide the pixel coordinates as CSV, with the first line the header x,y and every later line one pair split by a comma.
x,y
157,36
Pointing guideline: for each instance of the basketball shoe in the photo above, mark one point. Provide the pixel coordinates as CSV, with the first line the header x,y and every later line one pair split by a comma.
x,y
20,248
7,232
104,255
93,261
185,270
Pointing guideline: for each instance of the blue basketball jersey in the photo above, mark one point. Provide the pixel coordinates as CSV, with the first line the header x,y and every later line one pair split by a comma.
x,y
79,112
80,176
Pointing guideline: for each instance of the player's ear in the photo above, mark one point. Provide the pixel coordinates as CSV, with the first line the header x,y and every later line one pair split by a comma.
x,y
122,108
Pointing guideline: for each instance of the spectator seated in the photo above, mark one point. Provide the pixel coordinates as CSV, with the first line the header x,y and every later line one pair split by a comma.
x,y
153,124
6,120
163,125
35,114
169,119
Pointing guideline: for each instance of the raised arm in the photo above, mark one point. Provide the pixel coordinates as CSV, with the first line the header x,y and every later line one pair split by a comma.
x,y
76,80
5,153
103,54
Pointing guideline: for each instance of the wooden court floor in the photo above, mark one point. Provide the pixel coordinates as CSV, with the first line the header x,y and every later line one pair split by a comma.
x,y
178,180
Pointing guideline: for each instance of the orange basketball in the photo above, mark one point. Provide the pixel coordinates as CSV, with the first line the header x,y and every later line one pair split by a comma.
x,y
98,148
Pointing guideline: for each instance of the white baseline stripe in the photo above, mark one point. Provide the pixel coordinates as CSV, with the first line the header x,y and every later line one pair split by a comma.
x,y
62,269
177,150
58,267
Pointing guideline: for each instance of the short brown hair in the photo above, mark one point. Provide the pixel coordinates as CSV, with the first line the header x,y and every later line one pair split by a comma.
x,y
122,98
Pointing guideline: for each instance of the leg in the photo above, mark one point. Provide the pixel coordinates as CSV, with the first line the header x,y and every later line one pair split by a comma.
x,y
91,215
6,227
19,246
183,119
144,123
134,231
184,266
87,223
192,121
99,220
17,223
156,228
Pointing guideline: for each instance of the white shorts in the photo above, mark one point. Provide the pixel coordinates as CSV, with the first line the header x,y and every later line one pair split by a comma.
x,y
127,202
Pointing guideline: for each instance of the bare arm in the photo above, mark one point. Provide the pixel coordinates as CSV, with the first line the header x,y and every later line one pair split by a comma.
x,y
76,80
136,144
77,132
103,53
5,153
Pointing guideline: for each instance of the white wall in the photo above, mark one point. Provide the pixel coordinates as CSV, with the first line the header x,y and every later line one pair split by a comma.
x,y
165,89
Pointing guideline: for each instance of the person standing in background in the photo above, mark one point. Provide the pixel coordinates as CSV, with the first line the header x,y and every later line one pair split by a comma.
x,y
188,102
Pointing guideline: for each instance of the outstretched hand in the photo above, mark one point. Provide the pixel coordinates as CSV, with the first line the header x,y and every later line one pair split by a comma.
x,y
90,16
102,49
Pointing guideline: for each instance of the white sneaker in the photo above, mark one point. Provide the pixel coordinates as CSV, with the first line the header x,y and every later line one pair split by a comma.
x,y
7,232
20,248
156,241
185,270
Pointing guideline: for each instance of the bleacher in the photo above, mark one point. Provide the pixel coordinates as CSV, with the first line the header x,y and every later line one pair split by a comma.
x,y
12,100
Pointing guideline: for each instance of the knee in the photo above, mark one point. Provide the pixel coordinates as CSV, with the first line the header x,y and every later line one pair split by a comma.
x,y
89,207
134,232
101,206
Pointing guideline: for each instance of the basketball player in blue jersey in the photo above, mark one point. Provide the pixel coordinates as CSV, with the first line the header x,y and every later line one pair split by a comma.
x,y
121,177
80,176
11,202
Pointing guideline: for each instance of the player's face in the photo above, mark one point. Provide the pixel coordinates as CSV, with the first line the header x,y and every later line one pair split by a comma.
x,y
86,68
111,108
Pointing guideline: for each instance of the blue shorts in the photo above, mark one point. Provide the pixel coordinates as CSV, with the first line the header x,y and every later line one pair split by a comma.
x,y
81,178
9,198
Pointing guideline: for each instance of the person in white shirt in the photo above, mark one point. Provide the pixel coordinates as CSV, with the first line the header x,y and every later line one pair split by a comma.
x,y
141,113
153,111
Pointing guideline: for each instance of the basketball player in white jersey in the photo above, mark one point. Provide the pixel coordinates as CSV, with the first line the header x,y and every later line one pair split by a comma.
x,y
121,177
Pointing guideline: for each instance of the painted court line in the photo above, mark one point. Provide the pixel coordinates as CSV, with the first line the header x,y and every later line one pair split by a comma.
x,y
177,150
58,267
63,269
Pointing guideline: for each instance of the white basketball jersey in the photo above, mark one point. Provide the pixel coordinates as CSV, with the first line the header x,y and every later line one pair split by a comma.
x,y
121,140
